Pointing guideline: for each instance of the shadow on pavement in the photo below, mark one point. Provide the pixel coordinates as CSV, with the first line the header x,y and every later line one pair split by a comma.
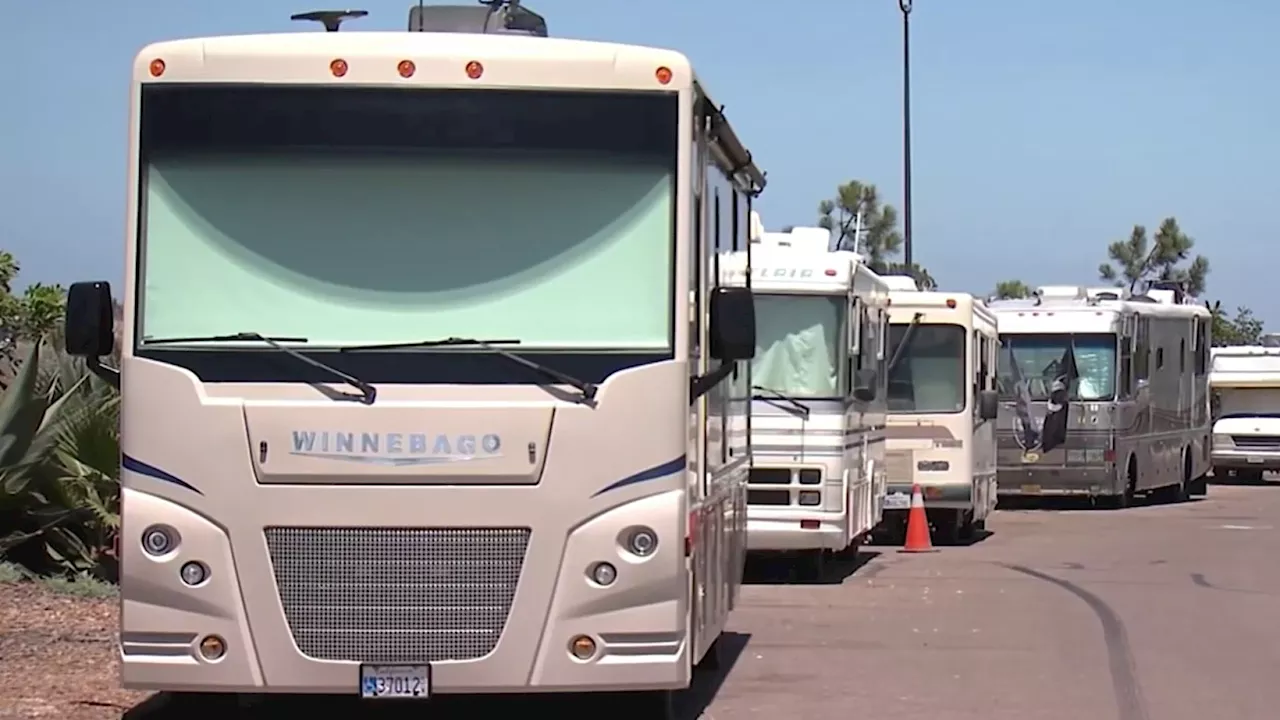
x,y
1244,481
1049,504
788,569
690,704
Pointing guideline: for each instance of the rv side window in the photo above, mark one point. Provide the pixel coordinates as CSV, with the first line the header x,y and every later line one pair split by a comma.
x,y
1159,358
1202,347
1126,368
871,340
1182,355
1141,351
857,341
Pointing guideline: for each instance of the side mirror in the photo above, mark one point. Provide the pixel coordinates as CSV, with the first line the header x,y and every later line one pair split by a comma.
x,y
988,404
90,321
864,385
733,324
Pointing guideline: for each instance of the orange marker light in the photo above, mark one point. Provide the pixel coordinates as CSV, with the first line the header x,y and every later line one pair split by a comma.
x,y
157,67
951,303
663,74
474,70
338,67
406,68
830,272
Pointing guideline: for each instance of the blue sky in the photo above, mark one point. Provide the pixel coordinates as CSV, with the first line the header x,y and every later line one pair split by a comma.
x,y
1040,134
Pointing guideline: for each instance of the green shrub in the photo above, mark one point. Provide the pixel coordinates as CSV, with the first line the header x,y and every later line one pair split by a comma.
x,y
59,467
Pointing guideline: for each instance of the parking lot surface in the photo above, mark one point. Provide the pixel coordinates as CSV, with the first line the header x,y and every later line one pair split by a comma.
x,y
1159,612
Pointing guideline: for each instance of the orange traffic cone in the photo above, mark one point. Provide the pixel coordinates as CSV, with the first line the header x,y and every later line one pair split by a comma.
x,y
918,540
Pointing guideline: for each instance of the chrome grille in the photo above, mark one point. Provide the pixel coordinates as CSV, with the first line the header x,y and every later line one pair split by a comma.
x,y
899,466
1260,442
397,595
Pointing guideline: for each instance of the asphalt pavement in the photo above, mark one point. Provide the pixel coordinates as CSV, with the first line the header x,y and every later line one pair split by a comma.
x,y
1157,612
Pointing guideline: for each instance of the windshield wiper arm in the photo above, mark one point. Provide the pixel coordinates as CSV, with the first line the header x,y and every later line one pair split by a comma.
x,y
906,340
368,392
775,395
587,389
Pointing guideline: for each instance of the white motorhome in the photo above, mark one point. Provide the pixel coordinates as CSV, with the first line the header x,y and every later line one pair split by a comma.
x,y
818,402
942,409
1105,394
1246,427
427,363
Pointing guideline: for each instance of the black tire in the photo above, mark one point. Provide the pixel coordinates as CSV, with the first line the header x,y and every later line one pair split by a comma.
x,y
948,527
1173,494
1124,499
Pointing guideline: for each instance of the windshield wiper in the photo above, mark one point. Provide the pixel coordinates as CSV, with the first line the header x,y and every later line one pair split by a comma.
x,y
906,340
368,392
587,389
775,395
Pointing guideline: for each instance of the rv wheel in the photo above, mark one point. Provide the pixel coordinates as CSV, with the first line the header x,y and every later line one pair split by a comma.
x,y
949,527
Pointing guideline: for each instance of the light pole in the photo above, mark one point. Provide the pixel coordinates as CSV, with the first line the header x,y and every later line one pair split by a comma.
x,y
905,7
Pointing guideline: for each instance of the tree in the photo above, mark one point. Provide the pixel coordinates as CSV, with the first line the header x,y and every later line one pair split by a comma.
x,y
861,223
1243,329
32,314
1011,289
1136,262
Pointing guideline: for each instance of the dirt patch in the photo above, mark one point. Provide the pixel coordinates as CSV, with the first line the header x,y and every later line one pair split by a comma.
x,y
58,656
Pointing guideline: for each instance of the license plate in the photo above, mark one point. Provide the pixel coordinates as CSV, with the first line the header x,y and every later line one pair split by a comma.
x,y
897,501
1256,460
383,682
1031,489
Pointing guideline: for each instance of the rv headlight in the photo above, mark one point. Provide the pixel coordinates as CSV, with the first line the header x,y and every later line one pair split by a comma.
x,y
603,574
194,573
1222,439
157,540
642,542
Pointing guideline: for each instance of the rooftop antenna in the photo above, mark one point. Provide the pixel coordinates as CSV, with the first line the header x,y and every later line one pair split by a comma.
x,y
332,19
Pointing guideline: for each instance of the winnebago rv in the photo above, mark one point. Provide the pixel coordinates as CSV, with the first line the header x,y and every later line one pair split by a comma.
x,y
818,403
1245,382
942,411
1104,394
426,363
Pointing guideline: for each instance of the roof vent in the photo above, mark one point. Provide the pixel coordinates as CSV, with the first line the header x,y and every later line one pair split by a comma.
x,y
504,17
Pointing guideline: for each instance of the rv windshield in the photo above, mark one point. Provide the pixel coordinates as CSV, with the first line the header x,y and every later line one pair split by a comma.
x,y
929,376
1040,357
801,346
368,216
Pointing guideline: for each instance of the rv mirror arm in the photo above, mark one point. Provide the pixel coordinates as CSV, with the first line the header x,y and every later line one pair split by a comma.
x,y
737,157
702,384
108,375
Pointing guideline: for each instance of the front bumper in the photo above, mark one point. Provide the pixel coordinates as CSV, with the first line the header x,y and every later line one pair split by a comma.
x,y
797,531
1076,481
1245,459
937,496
